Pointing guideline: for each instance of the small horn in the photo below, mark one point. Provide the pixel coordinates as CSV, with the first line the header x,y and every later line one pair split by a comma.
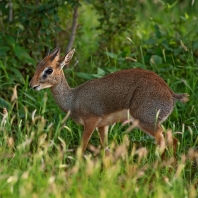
x,y
54,53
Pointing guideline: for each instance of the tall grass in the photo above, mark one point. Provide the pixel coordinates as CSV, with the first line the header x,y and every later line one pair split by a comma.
x,y
38,160
40,157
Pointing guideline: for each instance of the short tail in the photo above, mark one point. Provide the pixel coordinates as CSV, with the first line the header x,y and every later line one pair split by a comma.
x,y
181,97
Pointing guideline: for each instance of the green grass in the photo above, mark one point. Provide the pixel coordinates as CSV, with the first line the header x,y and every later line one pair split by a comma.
x,y
39,147
37,159
39,152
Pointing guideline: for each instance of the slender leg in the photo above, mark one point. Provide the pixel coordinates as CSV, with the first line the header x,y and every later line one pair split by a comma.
x,y
156,132
90,125
159,137
103,132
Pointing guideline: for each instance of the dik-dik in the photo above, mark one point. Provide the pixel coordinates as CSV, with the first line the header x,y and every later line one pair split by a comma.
x,y
101,102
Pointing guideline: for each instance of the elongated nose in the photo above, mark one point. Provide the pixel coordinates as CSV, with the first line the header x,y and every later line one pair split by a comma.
x,y
36,87
33,85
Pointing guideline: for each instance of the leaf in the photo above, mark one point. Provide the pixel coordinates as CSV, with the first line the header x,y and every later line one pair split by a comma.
x,y
16,72
10,40
30,61
155,59
84,75
20,26
195,45
4,103
100,71
2,66
97,75
111,55
22,54
30,97
111,70
3,50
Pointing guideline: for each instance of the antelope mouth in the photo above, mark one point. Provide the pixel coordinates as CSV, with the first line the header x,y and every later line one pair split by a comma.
x,y
37,87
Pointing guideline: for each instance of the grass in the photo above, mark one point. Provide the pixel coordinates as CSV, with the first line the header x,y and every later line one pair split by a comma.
x,y
39,147
39,162
40,157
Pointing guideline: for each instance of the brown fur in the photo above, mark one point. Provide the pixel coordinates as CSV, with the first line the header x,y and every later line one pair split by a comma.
x,y
101,102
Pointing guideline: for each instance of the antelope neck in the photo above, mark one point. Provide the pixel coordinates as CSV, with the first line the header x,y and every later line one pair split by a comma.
x,y
62,93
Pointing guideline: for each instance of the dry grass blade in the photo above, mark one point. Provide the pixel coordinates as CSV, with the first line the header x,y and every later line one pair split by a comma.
x,y
15,94
5,116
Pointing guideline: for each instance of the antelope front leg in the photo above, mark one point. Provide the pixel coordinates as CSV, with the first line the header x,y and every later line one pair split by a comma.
x,y
103,132
89,126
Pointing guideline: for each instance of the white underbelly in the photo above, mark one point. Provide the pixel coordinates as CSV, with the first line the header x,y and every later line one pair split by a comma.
x,y
118,116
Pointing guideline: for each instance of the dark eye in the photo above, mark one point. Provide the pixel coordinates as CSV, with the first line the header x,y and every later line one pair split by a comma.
x,y
44,76
48,71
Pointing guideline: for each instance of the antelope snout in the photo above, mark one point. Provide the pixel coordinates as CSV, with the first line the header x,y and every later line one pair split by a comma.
x,y
36,87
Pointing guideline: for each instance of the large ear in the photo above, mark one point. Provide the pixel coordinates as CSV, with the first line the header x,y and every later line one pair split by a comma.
x,y
67,58
55,54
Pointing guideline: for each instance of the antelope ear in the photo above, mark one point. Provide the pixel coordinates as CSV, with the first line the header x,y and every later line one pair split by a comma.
x,y
67,58
55,54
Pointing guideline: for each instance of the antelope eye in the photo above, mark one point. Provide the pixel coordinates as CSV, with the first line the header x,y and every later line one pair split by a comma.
x,y
49,71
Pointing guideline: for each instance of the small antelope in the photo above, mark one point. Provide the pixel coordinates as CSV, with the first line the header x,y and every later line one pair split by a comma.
x,y
101,102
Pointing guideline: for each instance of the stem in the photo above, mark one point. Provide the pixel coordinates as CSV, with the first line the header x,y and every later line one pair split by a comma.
x,y
10,11
73,31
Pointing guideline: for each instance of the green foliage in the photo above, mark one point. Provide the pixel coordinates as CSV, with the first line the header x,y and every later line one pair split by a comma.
x,y
27,35
116,18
